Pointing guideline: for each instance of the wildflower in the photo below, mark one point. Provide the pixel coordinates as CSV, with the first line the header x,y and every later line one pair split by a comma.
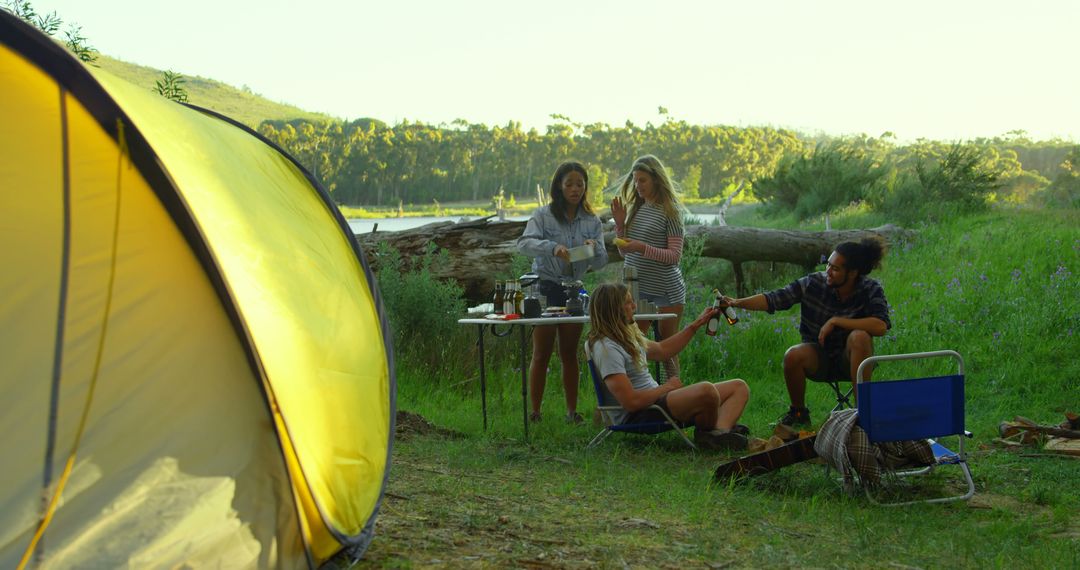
x,y
1016,275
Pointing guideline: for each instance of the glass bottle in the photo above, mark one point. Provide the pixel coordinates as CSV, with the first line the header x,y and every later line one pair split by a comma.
x,y
714,321
499,297
508,298
729,311
519,299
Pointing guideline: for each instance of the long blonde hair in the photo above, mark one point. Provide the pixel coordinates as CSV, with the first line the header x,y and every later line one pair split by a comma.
x,y
607,318
665,189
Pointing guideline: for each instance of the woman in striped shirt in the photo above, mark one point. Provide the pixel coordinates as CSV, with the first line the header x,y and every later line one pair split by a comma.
x,y
647,215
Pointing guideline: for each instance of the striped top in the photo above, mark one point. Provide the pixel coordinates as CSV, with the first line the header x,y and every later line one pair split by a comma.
x,y
658,268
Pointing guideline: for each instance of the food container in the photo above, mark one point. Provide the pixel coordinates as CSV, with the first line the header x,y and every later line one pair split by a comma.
x,y
582,252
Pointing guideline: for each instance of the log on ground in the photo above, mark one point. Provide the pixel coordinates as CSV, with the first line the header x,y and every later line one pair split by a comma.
x,y
482,250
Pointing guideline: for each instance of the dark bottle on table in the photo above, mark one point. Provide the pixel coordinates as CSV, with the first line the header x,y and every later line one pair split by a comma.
x,y
499,296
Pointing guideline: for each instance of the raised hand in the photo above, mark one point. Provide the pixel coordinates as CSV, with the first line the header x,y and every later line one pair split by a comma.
x,y
618,211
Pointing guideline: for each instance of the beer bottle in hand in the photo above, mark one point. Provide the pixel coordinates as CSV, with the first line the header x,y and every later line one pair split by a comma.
x,y
729,311
714,321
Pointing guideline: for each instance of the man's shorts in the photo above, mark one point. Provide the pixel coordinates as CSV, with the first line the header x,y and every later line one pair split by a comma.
x,y
835,367
649,415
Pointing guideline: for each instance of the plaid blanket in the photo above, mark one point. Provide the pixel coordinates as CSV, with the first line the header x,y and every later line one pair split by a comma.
x,y
848,450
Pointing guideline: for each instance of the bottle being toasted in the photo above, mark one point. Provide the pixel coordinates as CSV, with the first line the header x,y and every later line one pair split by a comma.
x,y
729,311
714,321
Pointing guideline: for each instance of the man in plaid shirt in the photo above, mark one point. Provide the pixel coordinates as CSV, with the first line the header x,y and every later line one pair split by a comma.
x,y
841,311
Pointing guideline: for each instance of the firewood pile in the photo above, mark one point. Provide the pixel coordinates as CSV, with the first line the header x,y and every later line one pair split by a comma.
x,y
1063,438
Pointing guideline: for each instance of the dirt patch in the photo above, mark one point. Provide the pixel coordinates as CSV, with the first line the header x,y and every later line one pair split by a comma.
x,y
408,424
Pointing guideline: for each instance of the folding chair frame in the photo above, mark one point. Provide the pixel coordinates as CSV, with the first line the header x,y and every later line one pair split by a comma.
x,y
843,399
606,412
942,455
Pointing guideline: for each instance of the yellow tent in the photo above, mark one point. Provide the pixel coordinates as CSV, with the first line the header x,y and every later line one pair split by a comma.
x,y
194,365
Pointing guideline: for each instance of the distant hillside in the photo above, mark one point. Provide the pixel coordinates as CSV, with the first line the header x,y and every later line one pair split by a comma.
x,y
239,104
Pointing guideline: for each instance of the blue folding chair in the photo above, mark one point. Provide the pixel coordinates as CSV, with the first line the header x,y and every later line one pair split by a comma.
x,y
919,408
607,410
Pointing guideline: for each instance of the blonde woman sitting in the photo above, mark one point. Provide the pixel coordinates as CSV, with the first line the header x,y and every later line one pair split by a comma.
x,y
619,350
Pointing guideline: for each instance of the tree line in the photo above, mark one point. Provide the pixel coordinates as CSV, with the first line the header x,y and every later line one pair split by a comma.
x,y
370,163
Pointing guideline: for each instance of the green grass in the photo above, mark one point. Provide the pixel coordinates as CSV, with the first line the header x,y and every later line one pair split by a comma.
x,y
239,104
999,288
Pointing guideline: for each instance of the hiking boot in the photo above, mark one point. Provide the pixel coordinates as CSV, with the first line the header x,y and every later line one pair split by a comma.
x,y
740,428
716,440
796,417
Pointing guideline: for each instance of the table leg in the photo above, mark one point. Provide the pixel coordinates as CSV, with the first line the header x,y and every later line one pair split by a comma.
x,y
524,385
483,380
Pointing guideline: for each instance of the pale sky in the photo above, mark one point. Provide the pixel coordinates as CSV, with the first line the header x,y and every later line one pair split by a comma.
x,y
944,69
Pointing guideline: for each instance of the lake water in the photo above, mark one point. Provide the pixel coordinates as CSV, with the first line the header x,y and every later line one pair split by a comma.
x,y
365,225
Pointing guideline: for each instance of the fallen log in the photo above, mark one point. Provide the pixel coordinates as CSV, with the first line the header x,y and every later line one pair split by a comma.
x,y
482,250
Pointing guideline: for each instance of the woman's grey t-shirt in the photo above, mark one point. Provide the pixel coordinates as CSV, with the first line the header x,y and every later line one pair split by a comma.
x,y
611,358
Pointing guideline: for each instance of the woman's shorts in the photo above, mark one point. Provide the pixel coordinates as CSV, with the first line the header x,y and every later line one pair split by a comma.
x,y
650,414
554,292
658,300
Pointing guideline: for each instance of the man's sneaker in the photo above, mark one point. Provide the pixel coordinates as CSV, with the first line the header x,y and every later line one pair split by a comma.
x,y
716,440
796,417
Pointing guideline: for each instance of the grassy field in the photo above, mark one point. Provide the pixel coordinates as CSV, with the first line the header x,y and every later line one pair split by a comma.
x,y
240,104
998,287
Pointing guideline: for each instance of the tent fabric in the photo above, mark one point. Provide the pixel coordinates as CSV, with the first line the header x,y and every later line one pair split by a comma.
x,y
193,350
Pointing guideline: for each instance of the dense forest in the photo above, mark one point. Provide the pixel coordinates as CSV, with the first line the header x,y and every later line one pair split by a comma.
x,y
369,163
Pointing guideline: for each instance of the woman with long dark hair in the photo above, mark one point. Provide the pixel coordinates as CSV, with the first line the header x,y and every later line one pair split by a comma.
x,y
567,222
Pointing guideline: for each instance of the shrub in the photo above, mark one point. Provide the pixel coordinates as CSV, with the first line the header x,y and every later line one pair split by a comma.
x,y
835,175
422,309
1065,190
960,181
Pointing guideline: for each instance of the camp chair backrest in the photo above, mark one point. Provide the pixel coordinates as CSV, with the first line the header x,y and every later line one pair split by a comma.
x,y
917,408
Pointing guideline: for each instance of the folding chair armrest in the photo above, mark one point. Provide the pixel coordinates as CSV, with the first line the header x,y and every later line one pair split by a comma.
x,y
664,413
